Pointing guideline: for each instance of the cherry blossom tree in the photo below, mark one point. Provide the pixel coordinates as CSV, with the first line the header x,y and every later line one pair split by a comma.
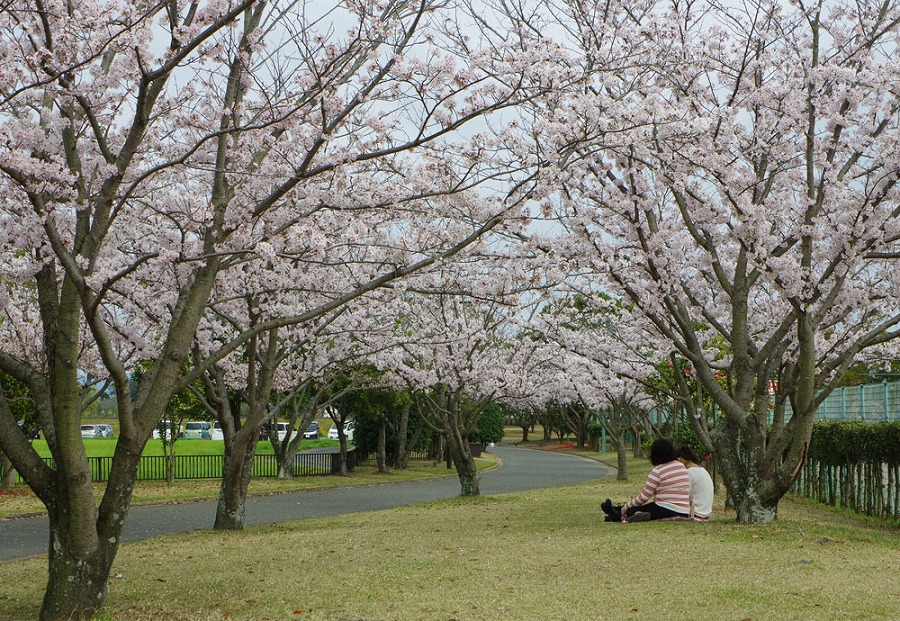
x,y
294,372
461,351
739,189
152,148
603,356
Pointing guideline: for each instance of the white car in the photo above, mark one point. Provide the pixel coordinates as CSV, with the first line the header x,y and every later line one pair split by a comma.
x,y
197,430
176,432
216,432
281,430
96,431
348,431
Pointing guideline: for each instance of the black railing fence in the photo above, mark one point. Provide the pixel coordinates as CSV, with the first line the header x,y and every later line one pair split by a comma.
x,y
210,466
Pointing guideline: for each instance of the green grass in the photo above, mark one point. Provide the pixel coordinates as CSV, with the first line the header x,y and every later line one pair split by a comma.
x,y
105,447
543,554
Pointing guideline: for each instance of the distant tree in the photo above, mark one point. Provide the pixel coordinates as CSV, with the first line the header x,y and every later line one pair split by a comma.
x,y
491,424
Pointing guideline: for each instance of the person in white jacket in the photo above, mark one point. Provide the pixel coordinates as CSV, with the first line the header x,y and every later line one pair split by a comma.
x,y
702,489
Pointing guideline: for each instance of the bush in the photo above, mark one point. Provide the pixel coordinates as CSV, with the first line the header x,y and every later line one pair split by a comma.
x,y
836,443
490,425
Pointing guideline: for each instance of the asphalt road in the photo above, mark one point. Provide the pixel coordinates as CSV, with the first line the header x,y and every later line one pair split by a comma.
x,y
521,469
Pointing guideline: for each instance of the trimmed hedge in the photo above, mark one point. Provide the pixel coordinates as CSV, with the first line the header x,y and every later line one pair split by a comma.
x,y
854,465
856,442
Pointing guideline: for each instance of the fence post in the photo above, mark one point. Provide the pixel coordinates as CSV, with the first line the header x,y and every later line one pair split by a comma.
x,y
862,402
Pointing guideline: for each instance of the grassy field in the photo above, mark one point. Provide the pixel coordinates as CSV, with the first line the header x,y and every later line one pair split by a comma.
x,y
533,555
104,447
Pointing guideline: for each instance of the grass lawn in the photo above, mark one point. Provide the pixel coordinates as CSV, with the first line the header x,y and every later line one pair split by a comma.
x,y
543,554
105,447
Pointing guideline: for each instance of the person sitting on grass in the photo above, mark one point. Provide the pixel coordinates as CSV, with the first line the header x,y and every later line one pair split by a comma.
x,y
666,493
702,488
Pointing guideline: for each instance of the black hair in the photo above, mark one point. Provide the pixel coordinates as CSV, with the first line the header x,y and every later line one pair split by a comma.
x,y
661,452
685,453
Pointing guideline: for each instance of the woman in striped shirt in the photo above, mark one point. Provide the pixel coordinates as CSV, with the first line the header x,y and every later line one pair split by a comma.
x,y
666,493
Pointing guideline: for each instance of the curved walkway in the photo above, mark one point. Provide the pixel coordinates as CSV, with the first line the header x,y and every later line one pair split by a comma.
x,y
521,469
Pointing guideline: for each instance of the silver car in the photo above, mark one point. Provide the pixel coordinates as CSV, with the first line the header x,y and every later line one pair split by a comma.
x,y
96,431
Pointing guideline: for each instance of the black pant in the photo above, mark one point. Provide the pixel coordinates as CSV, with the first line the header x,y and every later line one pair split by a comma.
x,y
656,512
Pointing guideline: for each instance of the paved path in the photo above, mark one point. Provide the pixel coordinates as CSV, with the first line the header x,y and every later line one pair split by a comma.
x,y
521,469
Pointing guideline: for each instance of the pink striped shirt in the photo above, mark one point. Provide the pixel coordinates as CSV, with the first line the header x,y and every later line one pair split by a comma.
x,y
669,485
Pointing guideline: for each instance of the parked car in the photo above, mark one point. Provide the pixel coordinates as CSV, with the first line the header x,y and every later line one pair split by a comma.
x,y
348,431
197,430
32,433
96,431
216,432
167,424
281,430
312,432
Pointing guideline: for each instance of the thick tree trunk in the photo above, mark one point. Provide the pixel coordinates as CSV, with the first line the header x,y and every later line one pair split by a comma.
x,y
83,544
76,587
751,509
755,479
466,470
77,583
286,453
238,469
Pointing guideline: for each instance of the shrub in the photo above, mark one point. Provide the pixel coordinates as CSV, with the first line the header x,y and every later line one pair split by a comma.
x,y
490,425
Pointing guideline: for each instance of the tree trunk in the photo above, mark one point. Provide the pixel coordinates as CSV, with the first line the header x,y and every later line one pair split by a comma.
x,y
435,449
342,455
525,429
400,455
170,468
286,452
237,471
77,584
581,438
83,545
78,574
7,472
466,470
755,482
621,457
381,453
413,442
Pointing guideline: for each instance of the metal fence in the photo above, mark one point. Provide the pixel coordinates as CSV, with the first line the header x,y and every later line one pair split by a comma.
x,y
866,402
210,466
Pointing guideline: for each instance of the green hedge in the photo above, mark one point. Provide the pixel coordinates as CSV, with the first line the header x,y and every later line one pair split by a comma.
x,y
836,443
854,465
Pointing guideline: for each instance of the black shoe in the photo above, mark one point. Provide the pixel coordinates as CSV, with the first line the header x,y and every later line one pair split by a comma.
x,y
606,506
610,518
640,516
